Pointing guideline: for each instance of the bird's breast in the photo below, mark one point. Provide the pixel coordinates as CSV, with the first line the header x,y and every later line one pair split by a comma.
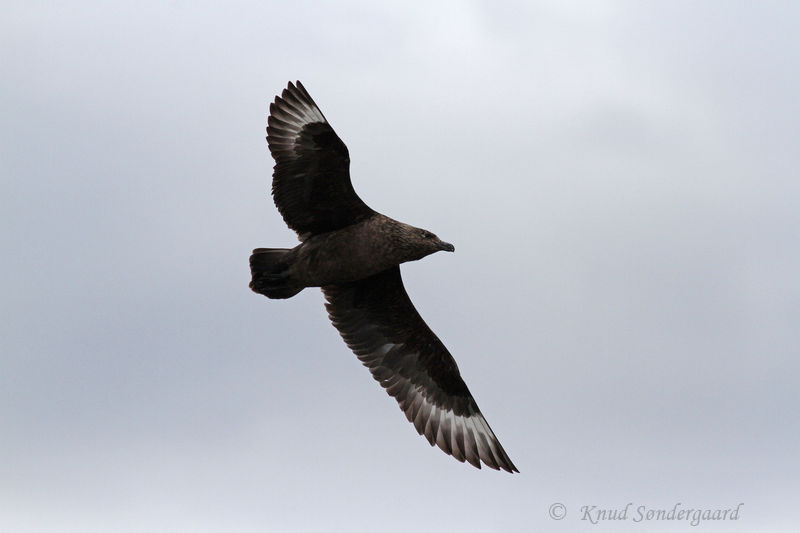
x,y
349,254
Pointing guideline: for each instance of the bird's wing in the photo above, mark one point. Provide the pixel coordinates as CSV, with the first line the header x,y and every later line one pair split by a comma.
x,y
311,182
380,324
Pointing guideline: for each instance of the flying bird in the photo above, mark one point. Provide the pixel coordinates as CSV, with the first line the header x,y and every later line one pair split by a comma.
x,y
354,254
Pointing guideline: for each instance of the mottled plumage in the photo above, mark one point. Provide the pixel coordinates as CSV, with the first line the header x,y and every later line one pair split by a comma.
x,y
354,254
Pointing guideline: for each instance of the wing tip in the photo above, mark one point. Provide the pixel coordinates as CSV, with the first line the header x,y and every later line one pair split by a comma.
x,y
477,444
295,106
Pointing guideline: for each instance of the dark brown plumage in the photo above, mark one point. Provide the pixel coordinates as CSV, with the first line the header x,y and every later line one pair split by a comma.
x,y
354,254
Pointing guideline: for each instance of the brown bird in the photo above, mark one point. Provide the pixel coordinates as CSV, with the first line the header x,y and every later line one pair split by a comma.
x,y
354,254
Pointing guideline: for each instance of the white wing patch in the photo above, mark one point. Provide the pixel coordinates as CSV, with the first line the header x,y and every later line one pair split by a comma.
x,y
466,438
297,109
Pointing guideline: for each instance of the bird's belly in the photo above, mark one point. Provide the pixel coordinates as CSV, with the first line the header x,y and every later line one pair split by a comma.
x,y
336,261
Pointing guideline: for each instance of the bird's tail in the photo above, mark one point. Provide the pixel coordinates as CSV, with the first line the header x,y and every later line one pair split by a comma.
x,y
269,268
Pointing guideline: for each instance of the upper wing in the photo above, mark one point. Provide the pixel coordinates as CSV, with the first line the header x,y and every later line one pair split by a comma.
x,y
311,183
380,324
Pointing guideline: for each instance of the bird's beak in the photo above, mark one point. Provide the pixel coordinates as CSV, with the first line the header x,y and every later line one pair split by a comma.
x,y
446,246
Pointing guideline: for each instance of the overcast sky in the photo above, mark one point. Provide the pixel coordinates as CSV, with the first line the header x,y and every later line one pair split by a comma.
x,y
620,181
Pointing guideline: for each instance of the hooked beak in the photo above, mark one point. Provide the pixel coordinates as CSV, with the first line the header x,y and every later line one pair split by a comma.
x,y
446,246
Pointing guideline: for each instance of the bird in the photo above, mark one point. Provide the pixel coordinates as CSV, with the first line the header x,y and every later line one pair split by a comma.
x,y
353,254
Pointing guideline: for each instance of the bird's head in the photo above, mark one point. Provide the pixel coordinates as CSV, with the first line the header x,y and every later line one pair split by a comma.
x,y
421,242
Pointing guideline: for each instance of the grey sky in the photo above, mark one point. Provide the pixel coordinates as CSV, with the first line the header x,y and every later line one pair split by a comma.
x,y
620,181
